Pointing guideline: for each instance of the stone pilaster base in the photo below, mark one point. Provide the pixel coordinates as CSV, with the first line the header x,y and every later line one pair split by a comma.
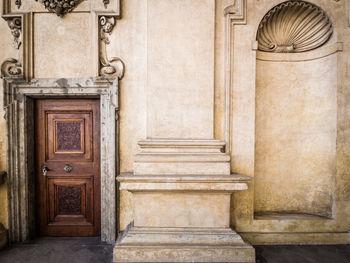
x,y
144,244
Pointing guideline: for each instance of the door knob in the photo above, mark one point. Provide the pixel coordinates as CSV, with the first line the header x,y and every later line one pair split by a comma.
x,y
44,169
68,168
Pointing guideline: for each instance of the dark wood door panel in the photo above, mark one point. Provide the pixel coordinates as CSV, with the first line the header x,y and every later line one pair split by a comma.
x,y
68,145
69,136
71,201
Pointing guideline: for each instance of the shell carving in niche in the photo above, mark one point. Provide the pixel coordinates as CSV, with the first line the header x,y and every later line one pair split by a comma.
x,y
294,26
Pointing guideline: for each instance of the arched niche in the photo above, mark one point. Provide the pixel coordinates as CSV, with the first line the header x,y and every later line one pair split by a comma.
x,y
296,111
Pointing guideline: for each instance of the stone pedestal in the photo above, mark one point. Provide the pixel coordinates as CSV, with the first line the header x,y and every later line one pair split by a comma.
x,y
182,218
144,244
169,156
182,193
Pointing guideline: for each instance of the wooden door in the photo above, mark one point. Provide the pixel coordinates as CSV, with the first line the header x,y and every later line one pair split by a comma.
x,y
67,134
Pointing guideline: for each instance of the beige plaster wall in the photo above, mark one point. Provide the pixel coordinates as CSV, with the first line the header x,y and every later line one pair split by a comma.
x,y
58,46
180,68
130,43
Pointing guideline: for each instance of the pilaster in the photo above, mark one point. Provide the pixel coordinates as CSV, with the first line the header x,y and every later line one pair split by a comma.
x,y
181,183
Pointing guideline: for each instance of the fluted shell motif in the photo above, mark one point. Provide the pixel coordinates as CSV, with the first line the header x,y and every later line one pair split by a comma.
x,y
294,26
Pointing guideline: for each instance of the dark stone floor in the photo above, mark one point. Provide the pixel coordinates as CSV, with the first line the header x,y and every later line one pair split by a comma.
x,y
58,250
91,250
303,254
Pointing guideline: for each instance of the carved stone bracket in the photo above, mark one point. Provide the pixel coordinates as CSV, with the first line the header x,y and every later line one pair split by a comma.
x,y
109,67
12,67
106,3
15,25
60,7
18,3
236,8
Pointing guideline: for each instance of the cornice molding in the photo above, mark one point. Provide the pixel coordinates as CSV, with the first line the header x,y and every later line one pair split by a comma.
x,y
61,7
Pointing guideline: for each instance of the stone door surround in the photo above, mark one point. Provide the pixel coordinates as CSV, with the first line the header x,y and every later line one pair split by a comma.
x,y
18,101
22,86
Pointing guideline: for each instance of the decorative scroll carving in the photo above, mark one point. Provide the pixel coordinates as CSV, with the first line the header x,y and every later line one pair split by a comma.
x,y
15,25
294,26
108,67
106,3
60,7
235,8
18,3
12,67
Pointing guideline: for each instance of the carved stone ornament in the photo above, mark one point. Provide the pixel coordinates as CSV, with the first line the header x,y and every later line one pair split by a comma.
x,y
12,67
60,7
18,3
234,8
114,66
106,3
294,26
15,26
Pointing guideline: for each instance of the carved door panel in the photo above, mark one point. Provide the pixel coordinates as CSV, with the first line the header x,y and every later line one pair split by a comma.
x,y
68,167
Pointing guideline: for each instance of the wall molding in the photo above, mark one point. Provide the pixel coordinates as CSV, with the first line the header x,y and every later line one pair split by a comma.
x,y
235,14
321,52
296,238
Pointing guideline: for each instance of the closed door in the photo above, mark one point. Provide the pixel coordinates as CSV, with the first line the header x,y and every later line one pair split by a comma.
x,y
67,134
